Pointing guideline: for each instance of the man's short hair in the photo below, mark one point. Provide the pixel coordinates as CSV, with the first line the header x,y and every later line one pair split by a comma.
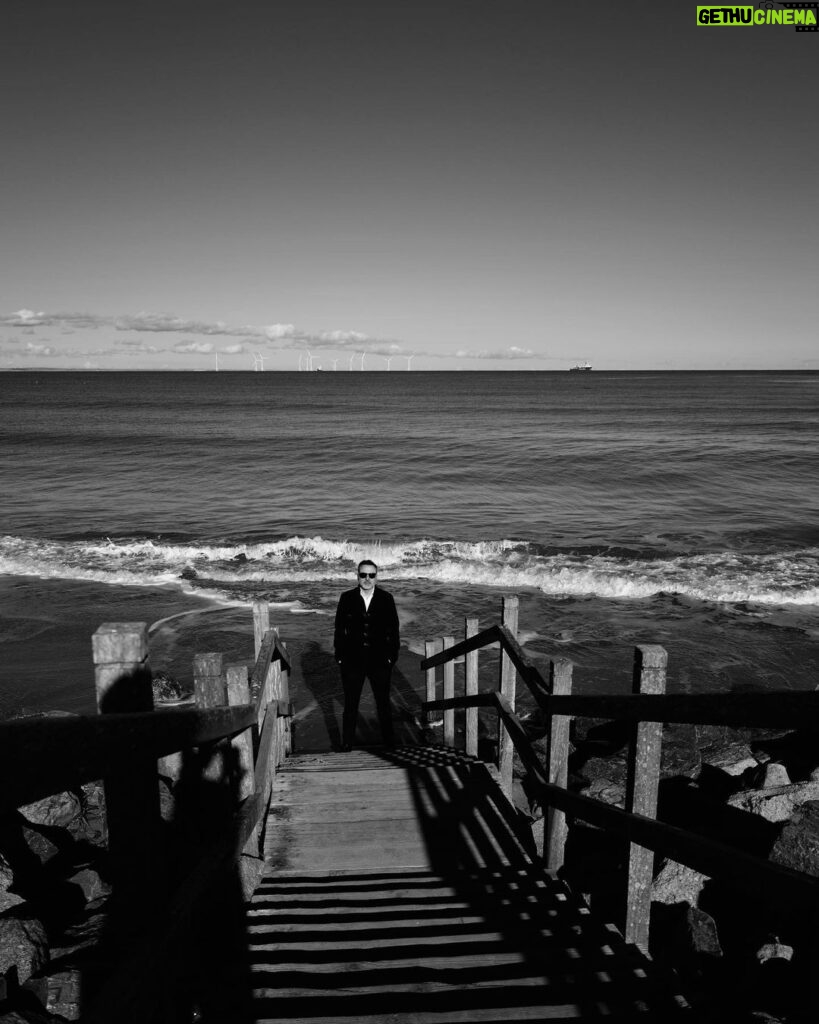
x,y
367,561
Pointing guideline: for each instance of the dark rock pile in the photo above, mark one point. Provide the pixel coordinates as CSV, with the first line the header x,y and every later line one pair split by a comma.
x,y
53,893
742,959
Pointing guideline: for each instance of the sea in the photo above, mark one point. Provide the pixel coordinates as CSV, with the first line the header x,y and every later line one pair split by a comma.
x,y
622,508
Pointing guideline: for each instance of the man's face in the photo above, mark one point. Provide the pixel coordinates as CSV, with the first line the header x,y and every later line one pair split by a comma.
x,y
366,577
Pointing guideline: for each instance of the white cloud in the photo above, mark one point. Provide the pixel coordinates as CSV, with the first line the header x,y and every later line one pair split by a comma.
x,y
35,349
342,338
202,347
276,331
232,350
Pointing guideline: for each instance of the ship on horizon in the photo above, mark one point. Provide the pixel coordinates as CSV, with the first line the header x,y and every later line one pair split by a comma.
x,y
580,367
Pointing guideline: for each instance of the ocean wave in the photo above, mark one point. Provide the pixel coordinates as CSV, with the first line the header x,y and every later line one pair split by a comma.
x,y
231,573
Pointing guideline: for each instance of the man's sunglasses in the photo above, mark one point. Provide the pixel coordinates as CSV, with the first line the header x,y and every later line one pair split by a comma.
x,y
367,575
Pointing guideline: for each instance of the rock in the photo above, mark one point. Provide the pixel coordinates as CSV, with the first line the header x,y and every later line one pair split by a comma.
x,y
9,900
39,845
798,844
28,1015
6,874
92,885
23,944
774,950
769,775
702,932
166,687
777,803
677,883
58,810
65,993
606,791
188,573
731,757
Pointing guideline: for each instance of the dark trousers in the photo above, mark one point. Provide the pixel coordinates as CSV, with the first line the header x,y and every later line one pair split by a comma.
x,y
353,674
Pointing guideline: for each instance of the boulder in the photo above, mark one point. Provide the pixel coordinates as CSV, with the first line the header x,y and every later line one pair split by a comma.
x,y
677,883
778,803
23,944
702,933
92,885
798,844
607,791
733,757
9,900
6,874
774,950
768,775
39,845
58,810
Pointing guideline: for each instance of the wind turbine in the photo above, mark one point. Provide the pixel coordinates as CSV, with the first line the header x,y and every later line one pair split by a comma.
x,y
261,362
352,357
335,364
309,359
362,359
216,354
409,361
388,360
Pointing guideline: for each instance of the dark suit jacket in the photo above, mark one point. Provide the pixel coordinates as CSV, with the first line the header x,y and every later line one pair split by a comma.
x,y
362,632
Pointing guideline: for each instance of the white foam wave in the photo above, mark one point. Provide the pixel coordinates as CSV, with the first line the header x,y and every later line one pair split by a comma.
x,y
223,572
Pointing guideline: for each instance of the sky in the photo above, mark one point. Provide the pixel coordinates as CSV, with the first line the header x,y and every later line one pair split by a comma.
x,y
458,184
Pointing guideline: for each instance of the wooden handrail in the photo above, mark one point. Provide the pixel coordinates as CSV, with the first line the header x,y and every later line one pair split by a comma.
x,y
474,643
41,756
777,883
783,708
271,649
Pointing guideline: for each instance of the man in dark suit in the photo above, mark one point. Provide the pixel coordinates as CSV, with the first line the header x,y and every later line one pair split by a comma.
x,y
366,647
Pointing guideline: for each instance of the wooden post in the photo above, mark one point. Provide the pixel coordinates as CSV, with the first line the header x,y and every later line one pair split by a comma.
x,y
261,624
209,687
238,691
123,684
285,692
210,691
508,678
560,682
470,690
429,650
641,791
449,691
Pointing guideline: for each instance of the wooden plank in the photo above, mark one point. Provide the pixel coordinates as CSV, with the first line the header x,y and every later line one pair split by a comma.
x,y
474,1015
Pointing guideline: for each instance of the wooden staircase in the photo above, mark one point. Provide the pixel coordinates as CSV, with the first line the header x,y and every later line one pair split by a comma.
x,y
398,888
